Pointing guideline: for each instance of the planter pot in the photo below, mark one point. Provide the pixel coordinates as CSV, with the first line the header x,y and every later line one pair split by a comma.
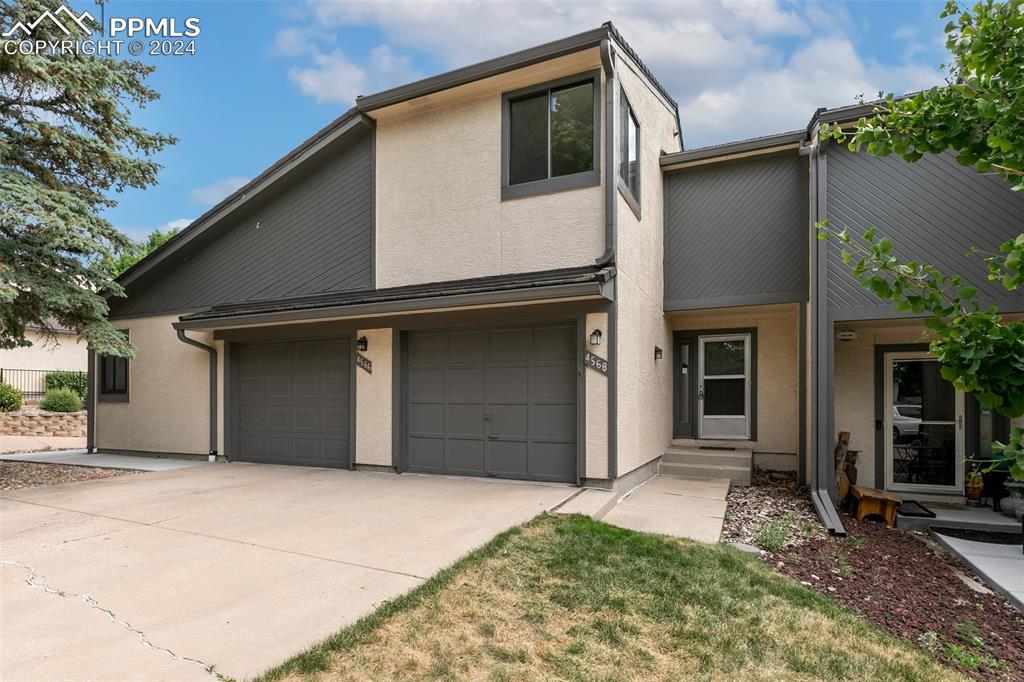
x,y
974,493
1014,504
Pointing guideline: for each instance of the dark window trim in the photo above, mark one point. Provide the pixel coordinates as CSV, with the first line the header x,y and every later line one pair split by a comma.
x,y
693,334
590,178
105,396
627,111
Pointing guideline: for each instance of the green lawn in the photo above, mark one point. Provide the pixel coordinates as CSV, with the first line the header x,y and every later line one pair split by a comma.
x,y
572,598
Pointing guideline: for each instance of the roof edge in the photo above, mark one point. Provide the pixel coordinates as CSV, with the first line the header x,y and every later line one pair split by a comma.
x,y
755,144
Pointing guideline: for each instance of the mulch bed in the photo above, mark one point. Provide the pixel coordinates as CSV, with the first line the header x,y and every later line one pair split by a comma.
x,y
899,580
15,475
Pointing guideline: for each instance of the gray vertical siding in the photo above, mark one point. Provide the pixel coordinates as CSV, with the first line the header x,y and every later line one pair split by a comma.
x,y
934,210
313,235
736,233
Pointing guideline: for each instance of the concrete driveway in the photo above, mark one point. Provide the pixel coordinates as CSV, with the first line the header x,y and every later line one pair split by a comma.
x,y
234,567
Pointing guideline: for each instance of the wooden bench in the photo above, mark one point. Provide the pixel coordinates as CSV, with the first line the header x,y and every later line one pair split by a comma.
x,y
872,501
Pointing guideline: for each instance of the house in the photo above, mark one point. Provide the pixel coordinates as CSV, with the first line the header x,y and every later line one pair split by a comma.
x,y
26,368
515,270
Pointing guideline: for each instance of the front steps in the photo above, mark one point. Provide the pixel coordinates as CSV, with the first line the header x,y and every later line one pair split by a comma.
x,y
690,461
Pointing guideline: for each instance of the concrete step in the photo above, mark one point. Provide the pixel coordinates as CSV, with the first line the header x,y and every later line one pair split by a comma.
x,y
737,475
680,455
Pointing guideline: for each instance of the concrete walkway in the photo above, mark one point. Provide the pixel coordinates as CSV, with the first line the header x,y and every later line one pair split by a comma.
x,y
35,443
670,505
234,566
84,459
1001,566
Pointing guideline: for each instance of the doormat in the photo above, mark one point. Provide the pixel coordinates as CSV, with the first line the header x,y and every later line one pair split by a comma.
x,y
913,508
715,447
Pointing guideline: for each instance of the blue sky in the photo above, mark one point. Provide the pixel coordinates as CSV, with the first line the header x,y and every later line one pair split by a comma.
x,y
268,74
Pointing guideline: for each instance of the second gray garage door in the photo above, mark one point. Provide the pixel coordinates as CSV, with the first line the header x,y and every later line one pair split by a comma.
x,y
292,402
493,402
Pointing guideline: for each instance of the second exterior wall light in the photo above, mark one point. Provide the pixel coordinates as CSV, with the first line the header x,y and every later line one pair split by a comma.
x,y
595,337
362,343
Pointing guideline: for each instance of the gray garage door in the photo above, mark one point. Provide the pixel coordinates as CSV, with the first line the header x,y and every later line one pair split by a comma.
x,y
292,402
493,402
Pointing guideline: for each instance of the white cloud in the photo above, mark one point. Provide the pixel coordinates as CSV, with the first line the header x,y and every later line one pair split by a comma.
x,y
178,224
737,67
211,194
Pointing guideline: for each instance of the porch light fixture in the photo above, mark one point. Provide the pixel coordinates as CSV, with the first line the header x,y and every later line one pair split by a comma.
x,y
595,337
847,335
657,353
362,343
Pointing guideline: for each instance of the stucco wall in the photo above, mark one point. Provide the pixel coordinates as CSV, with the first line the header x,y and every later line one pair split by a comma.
x,y
596,465
855,386
778,378
644,401
374,400
168,408
438,188
64,352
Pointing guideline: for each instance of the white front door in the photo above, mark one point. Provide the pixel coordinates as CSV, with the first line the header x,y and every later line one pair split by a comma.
x,y
924,426
723,388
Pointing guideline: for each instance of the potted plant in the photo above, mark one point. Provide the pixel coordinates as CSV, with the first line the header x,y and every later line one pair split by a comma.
x,y
974,484
1011,455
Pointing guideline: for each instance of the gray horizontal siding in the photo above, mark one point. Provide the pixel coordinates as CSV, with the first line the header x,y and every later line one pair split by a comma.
x,y
934,210
313,235
736,233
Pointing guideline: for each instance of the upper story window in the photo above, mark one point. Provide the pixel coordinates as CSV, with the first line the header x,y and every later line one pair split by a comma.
x,y
629,154
113,378
549,137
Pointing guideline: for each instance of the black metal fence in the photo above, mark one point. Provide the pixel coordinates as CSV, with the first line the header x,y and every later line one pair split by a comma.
x,y
31,382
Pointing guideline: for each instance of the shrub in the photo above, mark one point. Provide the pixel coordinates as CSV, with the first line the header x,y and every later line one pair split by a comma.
x,y
10,398
76,381
773,535
60,400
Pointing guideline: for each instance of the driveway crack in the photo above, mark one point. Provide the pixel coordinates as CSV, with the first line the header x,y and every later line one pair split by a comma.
x,y
31,579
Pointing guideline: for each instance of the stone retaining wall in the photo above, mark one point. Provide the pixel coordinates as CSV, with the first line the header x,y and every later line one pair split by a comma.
x,y
43,423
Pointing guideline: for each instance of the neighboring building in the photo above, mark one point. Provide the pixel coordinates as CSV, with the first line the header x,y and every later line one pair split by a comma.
x,y
25,368
420,285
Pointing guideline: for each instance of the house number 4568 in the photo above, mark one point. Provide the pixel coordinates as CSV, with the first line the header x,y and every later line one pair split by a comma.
x,y
595,362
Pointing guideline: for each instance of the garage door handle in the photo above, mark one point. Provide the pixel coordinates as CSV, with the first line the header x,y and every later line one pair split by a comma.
x,y
493,436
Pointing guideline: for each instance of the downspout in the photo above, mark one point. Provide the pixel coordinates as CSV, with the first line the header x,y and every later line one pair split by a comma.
x,y
90,404
608,258
820,403
213,388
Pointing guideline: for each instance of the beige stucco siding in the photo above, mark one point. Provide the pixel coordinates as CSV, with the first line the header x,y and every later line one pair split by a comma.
x,y
60,352
439,212
374,400
168,409
644,400
778,378
596,465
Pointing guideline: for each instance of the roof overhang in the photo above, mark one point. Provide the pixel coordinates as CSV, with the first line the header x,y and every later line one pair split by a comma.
x,y
552,286
758,146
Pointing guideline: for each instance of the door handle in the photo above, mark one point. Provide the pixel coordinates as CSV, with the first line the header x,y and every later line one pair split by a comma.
x,y
700,393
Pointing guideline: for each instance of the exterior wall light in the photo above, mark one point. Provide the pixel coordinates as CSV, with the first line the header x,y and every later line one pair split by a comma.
x,y
847,335
657,353
362,343
595,337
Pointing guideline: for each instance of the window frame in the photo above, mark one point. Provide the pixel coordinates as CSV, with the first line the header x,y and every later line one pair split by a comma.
x,y
627,116
102,394
560,183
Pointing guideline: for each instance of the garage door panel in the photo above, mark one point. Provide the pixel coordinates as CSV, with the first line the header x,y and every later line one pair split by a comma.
x,y
508,383
426,454
426,419
426,384
510,345
510,421
464,456
467,347
552,461
508,458
426,348
293,402
553,422
464,420
554,343
554,382
523,377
